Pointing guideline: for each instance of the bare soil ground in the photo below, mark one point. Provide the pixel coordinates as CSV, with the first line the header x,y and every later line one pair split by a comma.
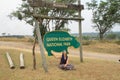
x,y
27,46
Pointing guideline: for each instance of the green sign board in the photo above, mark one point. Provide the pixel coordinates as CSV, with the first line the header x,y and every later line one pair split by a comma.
x,y
59,41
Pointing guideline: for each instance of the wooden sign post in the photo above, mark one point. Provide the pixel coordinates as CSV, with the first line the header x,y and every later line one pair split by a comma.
x,y
62,6
42,52
80,33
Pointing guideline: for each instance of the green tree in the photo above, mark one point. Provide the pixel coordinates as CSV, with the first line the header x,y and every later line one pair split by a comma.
x,y
105,14
25,12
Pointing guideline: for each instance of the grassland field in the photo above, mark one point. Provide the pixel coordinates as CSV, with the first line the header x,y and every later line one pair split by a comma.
x,y
90,69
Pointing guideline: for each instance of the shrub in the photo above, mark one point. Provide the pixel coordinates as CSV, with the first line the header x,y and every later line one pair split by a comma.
x,y
86,42
118,42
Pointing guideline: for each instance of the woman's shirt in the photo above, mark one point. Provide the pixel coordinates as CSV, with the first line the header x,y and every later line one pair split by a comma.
x,y
63,59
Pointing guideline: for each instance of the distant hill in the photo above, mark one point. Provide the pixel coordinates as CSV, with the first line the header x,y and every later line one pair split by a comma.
x,y
96,35
86,34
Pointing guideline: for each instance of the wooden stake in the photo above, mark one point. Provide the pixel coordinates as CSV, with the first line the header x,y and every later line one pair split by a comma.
x,y
44,64
10,61
22,66
34,58
80,34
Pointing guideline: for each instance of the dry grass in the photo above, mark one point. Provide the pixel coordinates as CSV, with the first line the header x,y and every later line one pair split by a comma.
x,y
91,69
15,39
109,47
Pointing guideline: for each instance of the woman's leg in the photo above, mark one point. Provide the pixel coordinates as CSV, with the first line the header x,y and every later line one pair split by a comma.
x,y
69,67
61,66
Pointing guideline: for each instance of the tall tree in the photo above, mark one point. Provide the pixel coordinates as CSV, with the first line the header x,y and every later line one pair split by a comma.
x,y
106,13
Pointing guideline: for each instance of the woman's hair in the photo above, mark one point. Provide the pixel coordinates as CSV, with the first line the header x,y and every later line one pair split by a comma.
x,y
64,51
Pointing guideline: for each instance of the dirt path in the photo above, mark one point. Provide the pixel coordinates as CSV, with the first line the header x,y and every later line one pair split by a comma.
x,y
28,47
102,56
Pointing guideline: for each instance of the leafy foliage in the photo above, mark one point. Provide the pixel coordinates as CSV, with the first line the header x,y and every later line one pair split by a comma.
x,y
105,15
25,12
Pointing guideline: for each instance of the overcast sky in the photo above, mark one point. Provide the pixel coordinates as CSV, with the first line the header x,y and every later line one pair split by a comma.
x,y
16,27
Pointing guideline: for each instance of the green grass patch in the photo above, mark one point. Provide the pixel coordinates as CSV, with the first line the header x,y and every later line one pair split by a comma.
x,y
90,69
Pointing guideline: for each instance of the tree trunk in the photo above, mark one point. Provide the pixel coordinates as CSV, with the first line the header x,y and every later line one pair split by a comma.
x,y
101,35
34,58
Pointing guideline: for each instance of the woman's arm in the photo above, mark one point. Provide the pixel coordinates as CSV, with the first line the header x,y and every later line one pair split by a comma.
x,y
66,62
